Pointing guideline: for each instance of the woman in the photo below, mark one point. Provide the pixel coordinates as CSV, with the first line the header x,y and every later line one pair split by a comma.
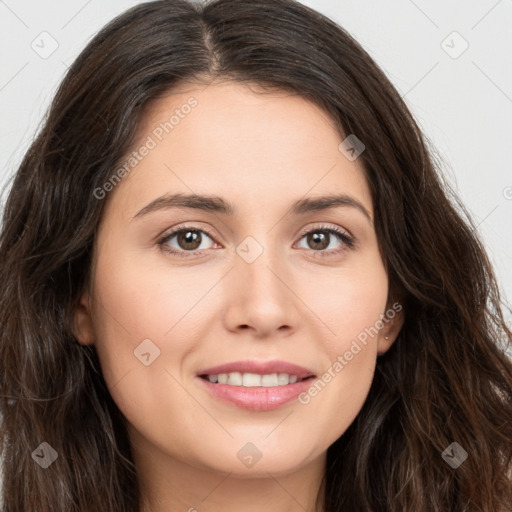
x,y
260,367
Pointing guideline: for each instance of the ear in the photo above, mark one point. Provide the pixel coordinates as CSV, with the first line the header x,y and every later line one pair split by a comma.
x,y
393,321
83,329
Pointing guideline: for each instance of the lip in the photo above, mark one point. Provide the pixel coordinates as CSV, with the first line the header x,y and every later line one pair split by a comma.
x,y
261,368
257,398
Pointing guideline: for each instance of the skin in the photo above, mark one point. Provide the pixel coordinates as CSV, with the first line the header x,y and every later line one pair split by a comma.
x,y
261,152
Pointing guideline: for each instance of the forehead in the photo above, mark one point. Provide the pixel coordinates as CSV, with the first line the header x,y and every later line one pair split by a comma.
x,y
258,149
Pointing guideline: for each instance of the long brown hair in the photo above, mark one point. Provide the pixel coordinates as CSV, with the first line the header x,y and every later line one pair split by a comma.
x,y
446,379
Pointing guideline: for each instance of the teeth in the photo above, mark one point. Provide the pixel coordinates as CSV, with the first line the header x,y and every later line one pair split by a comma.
x,y
271,380
253,379
235,379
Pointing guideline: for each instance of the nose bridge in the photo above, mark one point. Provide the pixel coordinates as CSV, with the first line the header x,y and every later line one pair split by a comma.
x,y
259,260
259,296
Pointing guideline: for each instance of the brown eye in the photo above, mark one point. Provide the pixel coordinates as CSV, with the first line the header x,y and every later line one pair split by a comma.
x,y
188,240
319,239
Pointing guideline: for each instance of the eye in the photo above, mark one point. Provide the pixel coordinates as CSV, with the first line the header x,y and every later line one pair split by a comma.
x,y
190,240
320,239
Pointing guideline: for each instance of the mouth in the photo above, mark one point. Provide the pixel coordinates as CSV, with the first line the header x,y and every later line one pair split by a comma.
x,y
256,386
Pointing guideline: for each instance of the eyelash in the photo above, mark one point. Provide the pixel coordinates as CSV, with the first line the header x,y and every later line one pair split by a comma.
x,y
348,240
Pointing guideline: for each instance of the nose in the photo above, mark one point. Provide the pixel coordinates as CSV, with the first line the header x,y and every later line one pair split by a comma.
x,y
261,297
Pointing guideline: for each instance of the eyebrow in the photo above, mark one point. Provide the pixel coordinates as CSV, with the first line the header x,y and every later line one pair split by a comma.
x,y
217,204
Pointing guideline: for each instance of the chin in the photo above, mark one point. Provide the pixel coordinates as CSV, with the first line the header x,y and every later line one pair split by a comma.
x,y
248,461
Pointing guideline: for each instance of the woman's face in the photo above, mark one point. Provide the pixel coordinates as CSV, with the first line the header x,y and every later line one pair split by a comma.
x,y
262,282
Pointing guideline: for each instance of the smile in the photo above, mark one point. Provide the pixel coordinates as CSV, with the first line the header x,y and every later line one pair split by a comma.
x,y
253,379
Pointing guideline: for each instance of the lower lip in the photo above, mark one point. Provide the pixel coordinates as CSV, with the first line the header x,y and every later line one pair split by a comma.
x,y
257,398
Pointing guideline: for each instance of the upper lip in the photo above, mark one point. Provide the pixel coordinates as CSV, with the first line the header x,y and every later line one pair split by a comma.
x,y
259,367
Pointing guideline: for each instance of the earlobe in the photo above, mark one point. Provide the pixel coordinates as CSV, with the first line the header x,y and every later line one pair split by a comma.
x,y
390,330
83,327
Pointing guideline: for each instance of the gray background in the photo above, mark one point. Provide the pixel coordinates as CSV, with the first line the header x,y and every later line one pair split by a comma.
x,y
461,99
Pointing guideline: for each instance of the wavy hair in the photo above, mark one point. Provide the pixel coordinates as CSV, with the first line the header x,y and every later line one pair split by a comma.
x,y
447,378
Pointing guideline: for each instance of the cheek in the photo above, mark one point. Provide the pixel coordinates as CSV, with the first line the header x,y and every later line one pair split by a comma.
x,y
128,315
148,307
140,300
141,314
349,301
351,307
